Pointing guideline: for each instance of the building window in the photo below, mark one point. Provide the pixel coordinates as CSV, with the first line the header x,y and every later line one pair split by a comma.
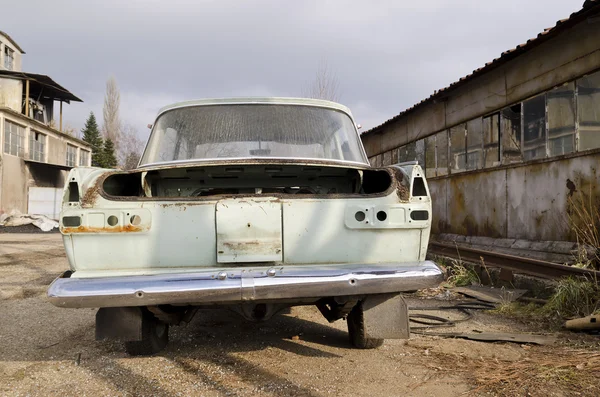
x,y
534,128
458,160
430,156
84,158
510,131
561,119
474,144
37,147
491,140
387,158
71,155
14,139
395,156
588,111
441,153
9,58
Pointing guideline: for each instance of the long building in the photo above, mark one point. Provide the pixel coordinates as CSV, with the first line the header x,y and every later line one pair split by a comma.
x,y
35,154
511,149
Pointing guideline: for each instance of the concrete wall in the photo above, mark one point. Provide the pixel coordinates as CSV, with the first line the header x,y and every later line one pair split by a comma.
x,y
18,57
11,93
17,175
14,184
573,53
528,201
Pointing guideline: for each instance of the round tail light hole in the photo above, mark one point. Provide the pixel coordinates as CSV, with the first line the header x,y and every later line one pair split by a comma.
x,y
381,216
135,220
112,220
360,216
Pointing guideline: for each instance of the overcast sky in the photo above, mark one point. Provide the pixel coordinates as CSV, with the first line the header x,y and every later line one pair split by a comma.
x,y
387,55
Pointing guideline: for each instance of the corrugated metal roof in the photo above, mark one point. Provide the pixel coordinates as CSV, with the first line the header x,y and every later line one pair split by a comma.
x,y
48,87
589,7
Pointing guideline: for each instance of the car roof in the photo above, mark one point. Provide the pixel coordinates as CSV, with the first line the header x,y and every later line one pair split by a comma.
x,y
259,100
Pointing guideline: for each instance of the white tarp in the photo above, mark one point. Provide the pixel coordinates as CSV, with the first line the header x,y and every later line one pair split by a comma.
x,y
15,218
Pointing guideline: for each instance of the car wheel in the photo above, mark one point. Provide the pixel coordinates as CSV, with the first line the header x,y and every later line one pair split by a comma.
x,y
155,336
356,329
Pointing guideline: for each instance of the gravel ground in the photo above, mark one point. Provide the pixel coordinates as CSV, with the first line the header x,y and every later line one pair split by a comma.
x,y
47,351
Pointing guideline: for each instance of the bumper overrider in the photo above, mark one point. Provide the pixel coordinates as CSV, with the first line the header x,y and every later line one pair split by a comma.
x,y
242,285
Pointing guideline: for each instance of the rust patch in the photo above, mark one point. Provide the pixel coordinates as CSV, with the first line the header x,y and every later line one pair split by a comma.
x,y
400,182
90,196
115,229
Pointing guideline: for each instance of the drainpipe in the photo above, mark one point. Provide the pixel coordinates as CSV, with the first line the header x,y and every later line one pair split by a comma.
x,y
60,116
27,98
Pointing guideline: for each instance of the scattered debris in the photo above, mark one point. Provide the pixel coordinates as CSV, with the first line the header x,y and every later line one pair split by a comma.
x,y
500,337
584,323
490,294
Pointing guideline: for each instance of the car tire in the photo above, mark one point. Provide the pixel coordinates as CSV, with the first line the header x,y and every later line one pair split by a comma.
x,y
155,336
356,329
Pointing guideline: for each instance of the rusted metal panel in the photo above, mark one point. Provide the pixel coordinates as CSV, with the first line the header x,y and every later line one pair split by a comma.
x,y
539,197
439,189
477,204
394,137
575,52
532,202
424,121
249,230
476,99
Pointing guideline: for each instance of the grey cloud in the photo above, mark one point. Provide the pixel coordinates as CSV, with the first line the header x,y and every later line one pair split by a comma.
x,y
387,55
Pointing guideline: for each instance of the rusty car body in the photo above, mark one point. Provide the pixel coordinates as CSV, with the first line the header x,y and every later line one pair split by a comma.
x,y
255,205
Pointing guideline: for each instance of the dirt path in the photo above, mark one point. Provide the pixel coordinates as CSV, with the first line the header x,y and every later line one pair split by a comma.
x,y
219,353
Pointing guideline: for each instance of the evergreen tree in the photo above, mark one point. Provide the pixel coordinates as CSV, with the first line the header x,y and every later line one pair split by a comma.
x,y
91,134
109,159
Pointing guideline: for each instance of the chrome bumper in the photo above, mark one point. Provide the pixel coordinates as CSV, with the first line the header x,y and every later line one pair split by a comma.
x,y
243,285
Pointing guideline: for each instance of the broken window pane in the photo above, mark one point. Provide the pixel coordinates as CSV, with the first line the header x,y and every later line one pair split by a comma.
x,y
588,109
534,128
491,144
430,156
377,162
458,151
419,154
387,158
561,119
474,144
511,134
402,154
441,144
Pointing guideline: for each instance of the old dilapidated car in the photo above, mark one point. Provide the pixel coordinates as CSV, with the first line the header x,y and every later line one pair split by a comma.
x,y
253,205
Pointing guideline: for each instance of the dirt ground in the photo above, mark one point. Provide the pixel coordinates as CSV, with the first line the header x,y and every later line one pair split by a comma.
x,y
47,351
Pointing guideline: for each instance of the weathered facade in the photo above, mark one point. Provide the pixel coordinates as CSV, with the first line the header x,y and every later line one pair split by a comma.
x,y
513,148
35,154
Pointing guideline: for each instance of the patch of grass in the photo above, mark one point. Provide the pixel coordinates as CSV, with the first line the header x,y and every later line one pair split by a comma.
x,y
584,220
574,297
460,275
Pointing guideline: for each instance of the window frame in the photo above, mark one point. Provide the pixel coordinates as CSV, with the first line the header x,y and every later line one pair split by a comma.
x,y
8,138
73,154
34,152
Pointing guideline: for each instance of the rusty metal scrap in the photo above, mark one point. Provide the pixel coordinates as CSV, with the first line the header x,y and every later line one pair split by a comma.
x,y
518,264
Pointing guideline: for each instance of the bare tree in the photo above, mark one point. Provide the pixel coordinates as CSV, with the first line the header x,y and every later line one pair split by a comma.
x,y
324,86
112,121
130,148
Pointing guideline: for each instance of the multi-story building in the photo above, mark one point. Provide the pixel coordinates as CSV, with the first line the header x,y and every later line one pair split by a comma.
x,y
35,154
511,151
